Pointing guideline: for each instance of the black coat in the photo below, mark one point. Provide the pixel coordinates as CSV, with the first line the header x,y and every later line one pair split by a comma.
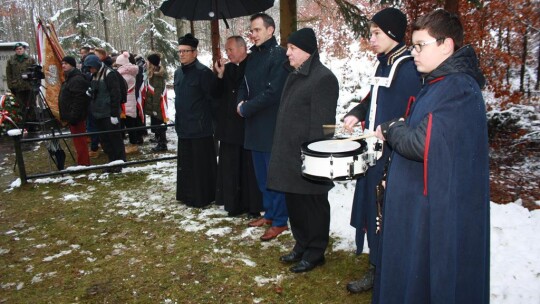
x,y
193,101
261,89
308,102
73,101
229,125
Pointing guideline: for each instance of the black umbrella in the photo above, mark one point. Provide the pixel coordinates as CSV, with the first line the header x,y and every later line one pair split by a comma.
x,y
213,10
210,9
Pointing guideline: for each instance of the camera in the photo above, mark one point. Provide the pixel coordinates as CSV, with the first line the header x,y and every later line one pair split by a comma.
x,y
33,73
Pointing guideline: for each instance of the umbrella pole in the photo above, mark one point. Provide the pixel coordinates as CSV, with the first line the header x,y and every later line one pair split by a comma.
x,y
216,53
214,28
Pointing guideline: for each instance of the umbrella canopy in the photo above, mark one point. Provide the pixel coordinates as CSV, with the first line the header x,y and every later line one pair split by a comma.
x,y
213,10
209,9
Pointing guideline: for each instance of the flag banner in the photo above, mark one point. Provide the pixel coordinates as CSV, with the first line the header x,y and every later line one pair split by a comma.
x,y
50,54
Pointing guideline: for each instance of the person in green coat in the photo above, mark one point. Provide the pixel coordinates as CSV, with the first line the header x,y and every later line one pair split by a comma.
x,y
21,88
155,100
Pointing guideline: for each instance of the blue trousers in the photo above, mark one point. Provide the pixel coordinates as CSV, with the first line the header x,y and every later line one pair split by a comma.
x,y
273,201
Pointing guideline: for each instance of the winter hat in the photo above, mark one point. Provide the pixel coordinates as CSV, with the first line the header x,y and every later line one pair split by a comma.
x,y
188,39
392,22
122,59
304,39
19,44
154,59
92,61
70,60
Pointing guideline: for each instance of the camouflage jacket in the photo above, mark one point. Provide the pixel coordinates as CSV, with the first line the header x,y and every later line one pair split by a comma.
x,y
14,70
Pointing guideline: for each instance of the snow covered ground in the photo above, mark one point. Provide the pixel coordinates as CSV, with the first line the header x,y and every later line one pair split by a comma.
x,y
515,231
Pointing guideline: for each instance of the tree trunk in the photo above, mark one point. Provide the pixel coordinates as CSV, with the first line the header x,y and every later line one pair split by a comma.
x,y
181,28
105,27
509,51
523,61
288,19
537,86
452,6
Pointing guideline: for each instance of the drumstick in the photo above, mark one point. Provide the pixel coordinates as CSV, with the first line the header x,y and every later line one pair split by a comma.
x,y
360,137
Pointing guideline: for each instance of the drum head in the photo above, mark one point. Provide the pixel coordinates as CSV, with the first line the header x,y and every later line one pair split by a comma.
x,y
334,147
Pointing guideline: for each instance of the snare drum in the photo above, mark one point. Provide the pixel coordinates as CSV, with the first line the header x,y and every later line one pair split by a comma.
x,y
333,159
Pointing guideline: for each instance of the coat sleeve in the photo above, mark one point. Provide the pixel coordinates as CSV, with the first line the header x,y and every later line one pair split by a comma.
x,y
360,111
323,104
114,91
208,80
407,141
274,82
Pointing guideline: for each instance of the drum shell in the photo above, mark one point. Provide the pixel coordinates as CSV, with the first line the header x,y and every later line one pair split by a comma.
x,y
333,166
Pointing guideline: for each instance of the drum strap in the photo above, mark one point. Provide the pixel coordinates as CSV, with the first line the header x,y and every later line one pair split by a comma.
x,y
377,82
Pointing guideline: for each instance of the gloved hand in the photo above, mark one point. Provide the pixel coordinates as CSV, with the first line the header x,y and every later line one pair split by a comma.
x,y
114,120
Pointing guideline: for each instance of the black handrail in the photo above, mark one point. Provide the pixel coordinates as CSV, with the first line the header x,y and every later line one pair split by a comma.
x,y
18,140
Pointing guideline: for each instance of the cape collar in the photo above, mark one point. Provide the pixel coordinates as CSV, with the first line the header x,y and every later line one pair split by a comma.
x,y
394,54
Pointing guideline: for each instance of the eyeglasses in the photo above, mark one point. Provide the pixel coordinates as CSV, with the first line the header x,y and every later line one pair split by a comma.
x,y
418,47
185,51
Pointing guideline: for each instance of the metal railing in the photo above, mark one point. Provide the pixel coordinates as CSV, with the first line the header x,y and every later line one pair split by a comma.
x,y
18,140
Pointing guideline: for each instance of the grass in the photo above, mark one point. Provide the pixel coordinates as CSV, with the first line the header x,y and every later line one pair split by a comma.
x,y
122,238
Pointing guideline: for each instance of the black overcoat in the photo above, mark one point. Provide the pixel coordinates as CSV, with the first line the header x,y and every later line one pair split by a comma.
x,y
73,101
193,101
308,102
261,90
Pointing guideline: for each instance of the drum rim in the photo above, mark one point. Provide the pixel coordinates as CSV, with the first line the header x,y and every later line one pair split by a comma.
x,y
307,151
337,179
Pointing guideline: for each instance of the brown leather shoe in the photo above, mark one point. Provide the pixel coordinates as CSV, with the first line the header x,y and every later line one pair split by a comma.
x,y
93,154
273,232
260,222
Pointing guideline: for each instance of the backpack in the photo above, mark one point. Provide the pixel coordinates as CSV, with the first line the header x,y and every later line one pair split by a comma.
x,y
123,85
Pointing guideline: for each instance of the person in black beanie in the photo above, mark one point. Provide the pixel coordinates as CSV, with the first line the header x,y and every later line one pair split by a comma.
x,y
73,105
308,102
387,29
155,100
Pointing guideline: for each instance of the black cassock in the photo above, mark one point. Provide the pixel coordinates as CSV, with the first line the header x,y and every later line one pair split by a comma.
x,y
236,186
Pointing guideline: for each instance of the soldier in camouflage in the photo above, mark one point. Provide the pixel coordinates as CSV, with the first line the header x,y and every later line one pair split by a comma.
x,y
19,87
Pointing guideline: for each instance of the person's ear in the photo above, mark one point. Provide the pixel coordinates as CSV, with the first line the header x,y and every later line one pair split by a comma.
x,y
448,46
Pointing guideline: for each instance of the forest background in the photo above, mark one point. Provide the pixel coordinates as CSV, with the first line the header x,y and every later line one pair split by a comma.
x,y
505,35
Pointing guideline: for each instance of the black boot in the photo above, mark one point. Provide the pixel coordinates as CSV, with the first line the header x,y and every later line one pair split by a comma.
x,y
159,148
161,143
365,283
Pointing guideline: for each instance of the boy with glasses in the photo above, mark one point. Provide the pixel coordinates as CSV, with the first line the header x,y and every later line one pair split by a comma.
x,y
382,104
435,232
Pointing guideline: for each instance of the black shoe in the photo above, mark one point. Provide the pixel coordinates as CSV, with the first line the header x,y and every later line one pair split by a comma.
x,y
113,170
156,140
159,148
253,215
364,284
291,257
305,266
